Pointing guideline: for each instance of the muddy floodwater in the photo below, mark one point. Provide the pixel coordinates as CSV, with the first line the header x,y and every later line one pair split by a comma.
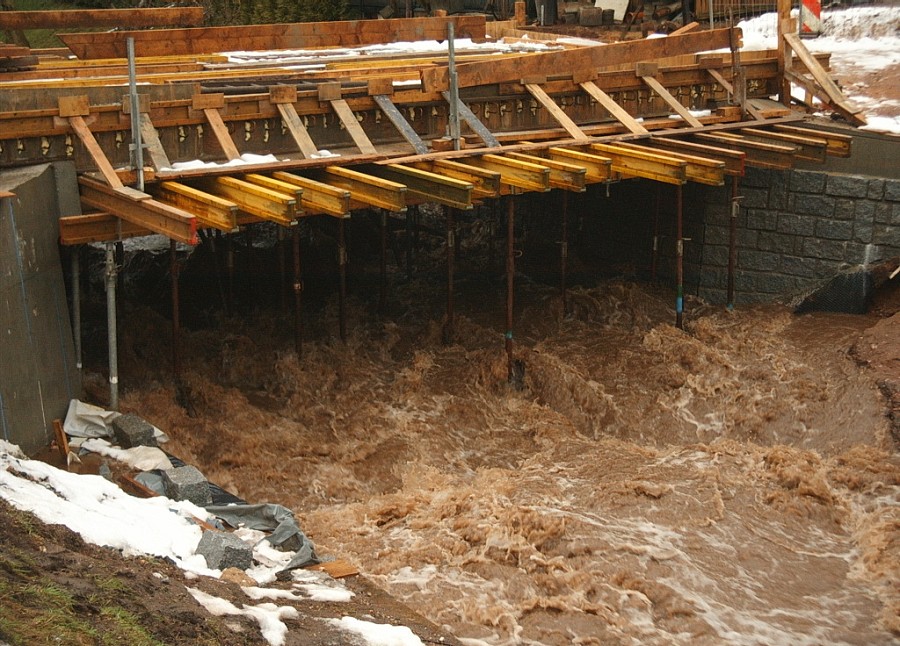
x,y
735,482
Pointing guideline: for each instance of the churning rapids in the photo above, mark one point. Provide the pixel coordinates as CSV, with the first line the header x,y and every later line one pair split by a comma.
x,y
735,482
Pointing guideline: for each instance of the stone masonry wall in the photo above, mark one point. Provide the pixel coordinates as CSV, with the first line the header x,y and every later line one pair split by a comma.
x,y
796,229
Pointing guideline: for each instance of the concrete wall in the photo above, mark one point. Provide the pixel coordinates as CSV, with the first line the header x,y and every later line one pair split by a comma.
x,y
796,229
38,376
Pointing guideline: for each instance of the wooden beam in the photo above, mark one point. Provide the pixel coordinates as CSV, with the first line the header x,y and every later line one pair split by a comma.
x,y
515,68
672,102
277,185
261,202
852,112
207,40
400,123
513,173
426,185
97,227
809,147
718,78
466,114
485,183
733,159
758,154
87,139
597,168
167,220
210,210
564,175
220,130
365,190
649,165
838,145
555,111
345,114
95,18
150,137
318,197
699,169
298,131
617,111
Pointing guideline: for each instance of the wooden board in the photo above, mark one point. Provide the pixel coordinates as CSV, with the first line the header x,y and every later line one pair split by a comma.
x,y
205,40
220,130
555,111
87,139
672,102
345,114
151,17
297,129
337,569
513,68
617,111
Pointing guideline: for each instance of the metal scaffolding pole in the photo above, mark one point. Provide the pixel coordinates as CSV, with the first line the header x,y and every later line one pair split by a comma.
x,y
298,294
451,258
111,272
176,314
342,266
76,304
564,252
510,284
679,258
732,238
382,291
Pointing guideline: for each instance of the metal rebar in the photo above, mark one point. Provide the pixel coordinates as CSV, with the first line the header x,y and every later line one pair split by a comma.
x,y
176,313
76,305
510,283
451,258
342,266
564,253
732,239
298,294
111,336
679,259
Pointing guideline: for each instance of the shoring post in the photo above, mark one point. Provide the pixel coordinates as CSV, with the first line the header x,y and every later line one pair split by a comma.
x,y
451,257
342,266
679,259
137,146
248,237
564,252
76,304
732,238
785,53
229,270
298,293
282,268
111,335
382,291
454,87
120,262
654,252
176,310
510,284
410,216
215,242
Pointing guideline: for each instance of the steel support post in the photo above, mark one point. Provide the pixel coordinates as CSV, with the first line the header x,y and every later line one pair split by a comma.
x,y
111,336
564,253
510,284
679,258
176,313
248,237
451,266
342,266
76,305
282,269
298,293
382,291
229,270
732,238
654,252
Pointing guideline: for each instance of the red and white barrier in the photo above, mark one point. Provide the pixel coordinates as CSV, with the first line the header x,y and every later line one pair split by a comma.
x,y
810,18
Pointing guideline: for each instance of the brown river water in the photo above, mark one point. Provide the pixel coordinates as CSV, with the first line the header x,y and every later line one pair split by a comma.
x,y
735,482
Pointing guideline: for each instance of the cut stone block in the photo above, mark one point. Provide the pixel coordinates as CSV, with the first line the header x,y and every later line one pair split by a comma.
x,y
222,550
131,430
590,16
187,483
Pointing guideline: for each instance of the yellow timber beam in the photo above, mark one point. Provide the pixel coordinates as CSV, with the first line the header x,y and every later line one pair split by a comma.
x,y
838,145
733,159
599,169
425,185
699,169
649,165
513,173
97,227
809,147
365,190
759,154
210,210
318,197
256,200
564,175
485,183
140,209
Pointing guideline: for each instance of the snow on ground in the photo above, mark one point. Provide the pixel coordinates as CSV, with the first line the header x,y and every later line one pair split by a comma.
x,y
378,634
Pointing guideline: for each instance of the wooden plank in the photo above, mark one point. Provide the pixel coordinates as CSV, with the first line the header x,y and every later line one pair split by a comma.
x,y
758,154
838,145
62,442
597,168
345,114
733,159
852,112
673,103
466,114
97,227
318,197
87,139
515,68
513,173
150,137
258,201
808,146
206,40
298,131
563,175
617,111
337,569
426,185
365,190
172,222
400,123
718,78
212,210
276,185
649,165
484,182
220,130
555,111
699,169
118,18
